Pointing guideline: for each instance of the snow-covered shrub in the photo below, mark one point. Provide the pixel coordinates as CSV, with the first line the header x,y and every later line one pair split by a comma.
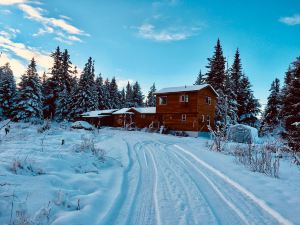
x,y
87,144
25,167
43,215
218,137
46,126
258,159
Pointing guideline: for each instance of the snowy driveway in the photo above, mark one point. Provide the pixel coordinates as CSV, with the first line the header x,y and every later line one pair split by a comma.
x,y
167,184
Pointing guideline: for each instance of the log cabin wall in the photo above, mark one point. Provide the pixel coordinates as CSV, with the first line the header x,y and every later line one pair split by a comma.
x,y
193,115
143,120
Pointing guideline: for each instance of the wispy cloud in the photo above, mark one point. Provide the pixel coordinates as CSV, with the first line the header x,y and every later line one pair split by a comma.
x,y
5,11
149,31
36,14
25,52
290,20
11,2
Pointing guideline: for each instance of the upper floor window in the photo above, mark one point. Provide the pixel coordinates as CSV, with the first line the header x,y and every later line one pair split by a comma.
x,y
183,117
208,100
163,100
184,98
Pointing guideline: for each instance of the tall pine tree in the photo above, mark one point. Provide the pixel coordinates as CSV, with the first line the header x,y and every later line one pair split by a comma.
x,y
217,79
137,95
271,118
151,99
29,98
200,79
85,99
114,94
7,92
129,96
291,106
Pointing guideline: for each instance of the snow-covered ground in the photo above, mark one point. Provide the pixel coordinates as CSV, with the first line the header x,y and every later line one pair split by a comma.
x,y
146,178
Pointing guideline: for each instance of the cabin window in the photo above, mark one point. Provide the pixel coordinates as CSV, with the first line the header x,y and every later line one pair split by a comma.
x,y
163,100
184,98
208,100
208,120
183,117
203,118
142,116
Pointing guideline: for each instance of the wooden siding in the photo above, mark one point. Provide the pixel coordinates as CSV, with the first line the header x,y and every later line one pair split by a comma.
x,y
170,114
143,120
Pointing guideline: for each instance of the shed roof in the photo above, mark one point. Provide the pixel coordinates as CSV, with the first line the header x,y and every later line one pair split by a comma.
x,y
146,110
185,89
98,113
122,111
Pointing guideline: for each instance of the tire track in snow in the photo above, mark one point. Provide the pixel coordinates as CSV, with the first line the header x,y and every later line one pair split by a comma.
x,y
157,211
117,214
276,215
219,192
194,204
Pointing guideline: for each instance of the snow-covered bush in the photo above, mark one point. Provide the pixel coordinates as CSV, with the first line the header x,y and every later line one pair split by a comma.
x,y
218,139
82,125
46,126
88,144
260,159
25,167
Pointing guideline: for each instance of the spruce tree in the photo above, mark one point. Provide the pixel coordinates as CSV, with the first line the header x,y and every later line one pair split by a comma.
x,y
29,97
137,95
100,92
291,107
53,85
129,96
65,87
200,79
250,108
271,118
7,92
151,99
230,100
86,95
106,95
114,94
216,78
122,98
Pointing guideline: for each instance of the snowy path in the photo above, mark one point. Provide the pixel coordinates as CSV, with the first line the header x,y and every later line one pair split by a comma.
x,y
166,184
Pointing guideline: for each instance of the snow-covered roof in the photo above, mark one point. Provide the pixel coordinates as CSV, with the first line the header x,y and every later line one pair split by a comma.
x,y
97,113
122,111
185,89
146,110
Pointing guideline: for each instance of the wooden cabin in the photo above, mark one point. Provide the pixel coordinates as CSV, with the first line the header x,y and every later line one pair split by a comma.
x,y
143,117
99,117
122,117
187,108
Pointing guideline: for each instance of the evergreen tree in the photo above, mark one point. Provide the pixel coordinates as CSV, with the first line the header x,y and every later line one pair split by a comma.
x,y
291,106
65,88
250,107
137,95
235,83
216,69
230,100
53,85
114,94
151,99
122,98
86,95
272,110
106,95
129,96
29,98
200,79
7,91
100,92
216,78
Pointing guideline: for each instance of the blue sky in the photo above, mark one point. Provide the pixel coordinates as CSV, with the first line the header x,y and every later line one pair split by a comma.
x,y
166,42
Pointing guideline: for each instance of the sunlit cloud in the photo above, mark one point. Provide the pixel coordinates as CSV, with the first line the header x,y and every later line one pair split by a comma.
x,y
290,20
149,31
11,2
